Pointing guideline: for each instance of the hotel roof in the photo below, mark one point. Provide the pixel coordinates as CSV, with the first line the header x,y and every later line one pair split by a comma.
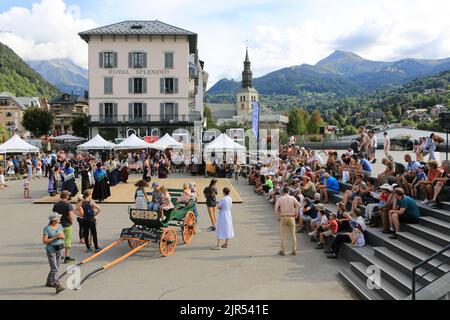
x,y
140,27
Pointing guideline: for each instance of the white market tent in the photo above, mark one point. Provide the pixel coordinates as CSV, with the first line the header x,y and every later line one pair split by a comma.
x,y
166,142
224,143
132,143
97,143
68,138
17,145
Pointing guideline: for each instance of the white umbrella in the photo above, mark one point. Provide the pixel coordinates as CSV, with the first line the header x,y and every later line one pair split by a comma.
x,y
97,143
68,138
224,143
17,145
133,142
166,142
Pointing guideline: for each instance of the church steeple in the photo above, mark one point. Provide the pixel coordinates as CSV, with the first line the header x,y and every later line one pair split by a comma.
x,y
247,73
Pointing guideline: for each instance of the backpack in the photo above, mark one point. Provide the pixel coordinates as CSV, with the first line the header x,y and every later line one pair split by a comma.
x,y
399,168
88,212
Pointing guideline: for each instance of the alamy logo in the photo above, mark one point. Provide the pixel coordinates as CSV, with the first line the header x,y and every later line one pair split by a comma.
x,y
73,281
373,277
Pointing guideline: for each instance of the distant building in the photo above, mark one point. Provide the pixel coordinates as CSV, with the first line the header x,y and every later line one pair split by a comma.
x,y
376,117
145,78
241,111
438,109
12,109
65,108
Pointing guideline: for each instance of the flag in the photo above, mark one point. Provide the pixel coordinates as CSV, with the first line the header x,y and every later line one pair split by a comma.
x,y
255,119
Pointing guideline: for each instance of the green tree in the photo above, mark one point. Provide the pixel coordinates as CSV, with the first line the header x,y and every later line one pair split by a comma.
x,y
297,121
38,121
315,122
350,130
80,126
210,121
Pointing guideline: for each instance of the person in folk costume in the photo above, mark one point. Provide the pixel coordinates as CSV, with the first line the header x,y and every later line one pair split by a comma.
x,y
85,183
146,176
52,181
109,167
124,170
68,179
101,186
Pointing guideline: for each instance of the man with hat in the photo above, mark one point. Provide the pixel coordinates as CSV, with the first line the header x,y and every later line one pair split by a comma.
x,y
53,238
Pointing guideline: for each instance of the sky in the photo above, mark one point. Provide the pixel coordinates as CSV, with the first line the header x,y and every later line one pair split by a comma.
x,y
279,33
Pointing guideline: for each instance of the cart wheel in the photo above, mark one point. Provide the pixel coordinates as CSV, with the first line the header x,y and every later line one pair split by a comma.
x,y
168,242
188,230
134,243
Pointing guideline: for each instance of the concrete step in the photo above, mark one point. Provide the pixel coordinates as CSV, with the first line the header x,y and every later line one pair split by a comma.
x,y
424,245
441,214
358,285
435,224
387,291
411,253
446,206
428,233
402,264
390,274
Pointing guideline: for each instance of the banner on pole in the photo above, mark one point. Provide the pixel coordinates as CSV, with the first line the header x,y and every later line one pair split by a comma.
x,y
255,119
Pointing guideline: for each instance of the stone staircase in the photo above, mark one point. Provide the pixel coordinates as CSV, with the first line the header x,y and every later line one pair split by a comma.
x,y
396,258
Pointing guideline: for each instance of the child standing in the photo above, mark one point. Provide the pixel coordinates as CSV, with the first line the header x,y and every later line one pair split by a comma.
x,y
2,178
26,187
141,199
236,171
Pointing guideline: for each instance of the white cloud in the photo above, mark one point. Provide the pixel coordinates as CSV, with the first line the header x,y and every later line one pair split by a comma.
x,y
281,33
46,31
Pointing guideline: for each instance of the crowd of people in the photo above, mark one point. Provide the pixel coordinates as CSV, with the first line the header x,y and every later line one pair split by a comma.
x,y
299,186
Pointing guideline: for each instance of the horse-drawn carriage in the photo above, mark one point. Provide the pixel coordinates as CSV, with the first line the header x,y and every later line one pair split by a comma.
x,y
148,228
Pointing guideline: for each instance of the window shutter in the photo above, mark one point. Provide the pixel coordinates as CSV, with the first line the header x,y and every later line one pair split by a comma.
x,y
130,60
115,110
175,111
144,85
144,58
161,110
130,111
100,60
130,85
144,111
100,110
105,85
115,60
175,85
161,85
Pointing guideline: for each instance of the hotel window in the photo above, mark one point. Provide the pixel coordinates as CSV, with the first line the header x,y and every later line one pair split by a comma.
x,y
108,59
169,85
168,60
137,60
137,111
108,85
168,111
137,85
107,111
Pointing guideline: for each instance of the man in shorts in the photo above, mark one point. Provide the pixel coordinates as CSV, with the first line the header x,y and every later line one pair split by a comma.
x,y
65,209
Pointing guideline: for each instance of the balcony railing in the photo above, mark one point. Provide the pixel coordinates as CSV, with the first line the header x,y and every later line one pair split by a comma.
x,y
162,119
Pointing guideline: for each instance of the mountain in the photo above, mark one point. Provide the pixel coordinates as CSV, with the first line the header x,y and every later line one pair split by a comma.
x,y
62,73
341,74
19,79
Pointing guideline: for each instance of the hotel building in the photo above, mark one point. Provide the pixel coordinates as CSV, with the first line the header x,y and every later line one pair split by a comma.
x,y
145,77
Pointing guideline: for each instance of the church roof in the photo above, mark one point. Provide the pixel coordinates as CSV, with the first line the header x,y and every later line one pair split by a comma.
x,y
222,110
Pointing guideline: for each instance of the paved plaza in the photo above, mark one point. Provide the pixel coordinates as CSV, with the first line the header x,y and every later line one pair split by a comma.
x,y
249,269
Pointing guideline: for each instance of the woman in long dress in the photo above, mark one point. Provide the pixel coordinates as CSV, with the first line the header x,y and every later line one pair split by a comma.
x,y
124,170
101,186
224,229
69,182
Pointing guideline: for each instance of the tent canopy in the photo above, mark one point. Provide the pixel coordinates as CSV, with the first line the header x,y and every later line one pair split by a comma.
x,y
224,143
17,145
97,143
133,142
166,142
68,138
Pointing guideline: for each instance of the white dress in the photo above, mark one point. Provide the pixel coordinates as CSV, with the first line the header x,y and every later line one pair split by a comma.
x,y
224,228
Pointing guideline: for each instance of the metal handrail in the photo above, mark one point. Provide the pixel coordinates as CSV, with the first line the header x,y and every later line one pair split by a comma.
x,y
420,264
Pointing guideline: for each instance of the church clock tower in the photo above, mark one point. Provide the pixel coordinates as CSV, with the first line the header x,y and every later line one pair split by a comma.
x,y
247,94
